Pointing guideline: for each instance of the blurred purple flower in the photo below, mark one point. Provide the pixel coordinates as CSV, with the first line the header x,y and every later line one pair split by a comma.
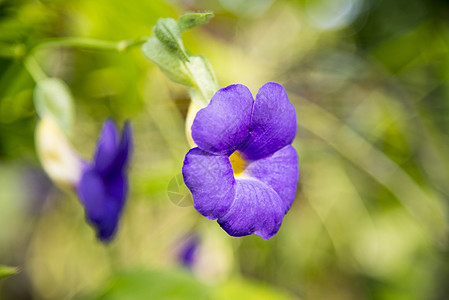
x,y
188,251
104,185
261,132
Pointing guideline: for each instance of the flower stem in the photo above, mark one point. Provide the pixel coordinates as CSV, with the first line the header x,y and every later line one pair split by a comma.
x,y
34,69
92,44
87,43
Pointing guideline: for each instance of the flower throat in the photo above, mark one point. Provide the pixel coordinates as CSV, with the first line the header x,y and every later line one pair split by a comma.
x,y
237,163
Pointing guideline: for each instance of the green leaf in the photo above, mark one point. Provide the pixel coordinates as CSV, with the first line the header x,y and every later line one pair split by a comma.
x,y
248,290
205,81
192,20
168,32
167,51
161,285
52,98
167,60
6,271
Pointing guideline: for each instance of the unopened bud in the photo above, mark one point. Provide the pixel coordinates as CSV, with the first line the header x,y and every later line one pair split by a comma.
x,y
60,161
191,113
52,99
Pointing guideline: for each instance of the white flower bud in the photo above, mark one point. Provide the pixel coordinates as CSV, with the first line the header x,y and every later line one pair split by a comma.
x,y
60,161
191,113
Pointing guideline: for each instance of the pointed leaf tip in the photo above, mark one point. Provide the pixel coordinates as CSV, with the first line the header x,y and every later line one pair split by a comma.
x,y
192,20
6,271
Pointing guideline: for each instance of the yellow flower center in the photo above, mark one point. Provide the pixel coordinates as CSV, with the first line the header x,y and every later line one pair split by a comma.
x,y
237,163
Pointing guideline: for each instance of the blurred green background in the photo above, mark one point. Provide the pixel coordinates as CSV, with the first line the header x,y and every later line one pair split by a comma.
x,y
369,79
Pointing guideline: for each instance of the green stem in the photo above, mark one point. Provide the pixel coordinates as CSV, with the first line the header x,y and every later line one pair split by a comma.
x,y
92,44
34,69
6,271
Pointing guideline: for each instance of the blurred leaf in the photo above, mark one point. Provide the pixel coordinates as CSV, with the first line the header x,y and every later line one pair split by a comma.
x,y
247,290
192,20
247,8
52,98
168,32
174,284
6,271
424,206
332,14
398,52
167,60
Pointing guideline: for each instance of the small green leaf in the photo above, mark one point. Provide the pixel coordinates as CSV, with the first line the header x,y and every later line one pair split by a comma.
x,y
167,51
168,32
205,81
192,20
52,98
6,271
167,60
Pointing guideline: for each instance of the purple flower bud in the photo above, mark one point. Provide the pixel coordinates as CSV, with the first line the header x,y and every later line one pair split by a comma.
x,y
103,186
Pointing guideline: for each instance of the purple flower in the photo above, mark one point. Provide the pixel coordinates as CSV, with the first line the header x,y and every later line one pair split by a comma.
x,y
103,186
244,171
188,251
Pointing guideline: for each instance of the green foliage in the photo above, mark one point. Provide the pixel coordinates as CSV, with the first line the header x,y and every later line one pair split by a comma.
x,y
177,284
168,60
167,51
247,8
6,271
247,290
162,285
192,20
169,33
370,219
204,78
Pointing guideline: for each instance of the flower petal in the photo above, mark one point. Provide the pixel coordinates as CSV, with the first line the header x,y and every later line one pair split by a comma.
x,y
124,149
103,201
188,252
211,180
106,147
107,227
116,189
223,125
92,194
257,209
279,171
273,123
